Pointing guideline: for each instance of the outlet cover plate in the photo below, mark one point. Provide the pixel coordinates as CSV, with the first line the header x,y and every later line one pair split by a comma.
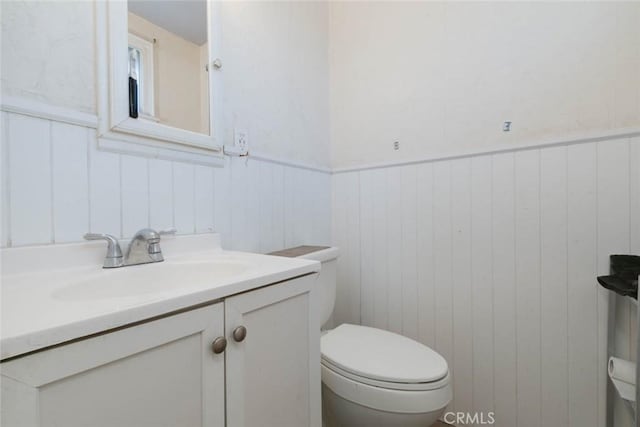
x,y
241,139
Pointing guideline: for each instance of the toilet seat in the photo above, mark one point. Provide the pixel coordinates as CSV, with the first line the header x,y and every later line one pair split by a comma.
x,y
383,370
434,385
376,356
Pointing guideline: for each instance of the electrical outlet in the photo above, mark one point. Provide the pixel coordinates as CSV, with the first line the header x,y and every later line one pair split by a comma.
x,y
241,140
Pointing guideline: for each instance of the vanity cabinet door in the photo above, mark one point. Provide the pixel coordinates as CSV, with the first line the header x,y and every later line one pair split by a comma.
x,y
273,374
159,373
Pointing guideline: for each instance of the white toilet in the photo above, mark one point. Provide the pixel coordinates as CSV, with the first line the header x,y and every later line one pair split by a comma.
x,y
372,377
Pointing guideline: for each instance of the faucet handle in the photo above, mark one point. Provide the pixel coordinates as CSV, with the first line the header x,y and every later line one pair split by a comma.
x,y
114,256
154,245
171,230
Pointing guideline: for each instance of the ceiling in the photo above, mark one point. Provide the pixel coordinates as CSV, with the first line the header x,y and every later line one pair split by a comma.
x,y
186,18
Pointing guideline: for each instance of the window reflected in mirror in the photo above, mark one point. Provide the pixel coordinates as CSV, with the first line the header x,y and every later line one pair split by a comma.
x,y
168,56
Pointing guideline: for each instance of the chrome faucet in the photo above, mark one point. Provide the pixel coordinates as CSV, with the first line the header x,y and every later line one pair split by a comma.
x,y
144,248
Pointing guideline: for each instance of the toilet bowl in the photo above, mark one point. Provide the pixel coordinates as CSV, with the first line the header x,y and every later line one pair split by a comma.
x,y
373,377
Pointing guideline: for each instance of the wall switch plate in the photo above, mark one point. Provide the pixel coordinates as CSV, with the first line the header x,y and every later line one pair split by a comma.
x,y
241,140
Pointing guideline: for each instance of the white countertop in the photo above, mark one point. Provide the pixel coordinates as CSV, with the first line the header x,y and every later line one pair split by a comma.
x,y
53,294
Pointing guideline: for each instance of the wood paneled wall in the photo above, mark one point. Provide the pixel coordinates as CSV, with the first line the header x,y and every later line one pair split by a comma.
x,y
56,186
491,260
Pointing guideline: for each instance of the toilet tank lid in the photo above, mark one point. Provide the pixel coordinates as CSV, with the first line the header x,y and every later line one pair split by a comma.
x,y
381,355
316,253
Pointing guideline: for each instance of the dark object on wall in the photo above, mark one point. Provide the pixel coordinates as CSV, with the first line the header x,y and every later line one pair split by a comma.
x,y
623,279
133,98
625,266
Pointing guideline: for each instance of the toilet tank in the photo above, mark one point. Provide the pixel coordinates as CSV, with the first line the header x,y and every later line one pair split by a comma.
x,y
326,282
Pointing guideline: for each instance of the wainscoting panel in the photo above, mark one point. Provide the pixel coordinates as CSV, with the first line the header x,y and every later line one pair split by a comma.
x,y
503,272
553,286
346,231
481,293
528,286
56,186
29,143
70,180
461,258
491,260
582,309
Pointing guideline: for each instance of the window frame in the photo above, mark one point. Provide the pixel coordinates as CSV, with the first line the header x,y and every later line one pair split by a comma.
x,y
146,85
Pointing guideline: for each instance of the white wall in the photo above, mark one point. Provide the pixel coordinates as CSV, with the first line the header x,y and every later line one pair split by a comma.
x,y
441,77
48,52
56,186
276,83
491,260
274,56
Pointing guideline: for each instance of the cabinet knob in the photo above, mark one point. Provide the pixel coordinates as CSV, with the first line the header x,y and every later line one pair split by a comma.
x,y
219,345
239,333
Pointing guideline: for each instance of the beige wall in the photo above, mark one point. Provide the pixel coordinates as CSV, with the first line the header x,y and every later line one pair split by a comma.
x,y
441,78
204,88
178,90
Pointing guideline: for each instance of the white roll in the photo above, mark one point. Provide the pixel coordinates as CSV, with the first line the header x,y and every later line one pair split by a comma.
x,y
623,376
622,370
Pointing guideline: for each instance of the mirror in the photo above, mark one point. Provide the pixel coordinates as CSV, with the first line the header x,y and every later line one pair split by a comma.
x,y
167,68
156,96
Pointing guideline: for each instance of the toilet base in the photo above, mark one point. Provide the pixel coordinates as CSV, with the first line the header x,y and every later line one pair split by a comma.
x,y
339,412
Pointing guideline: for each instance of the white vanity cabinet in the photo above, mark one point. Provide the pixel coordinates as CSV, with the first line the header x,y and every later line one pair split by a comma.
x,y
159,373
164,372
273,375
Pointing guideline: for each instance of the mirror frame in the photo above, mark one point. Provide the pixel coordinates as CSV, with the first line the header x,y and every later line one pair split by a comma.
x,y
121,133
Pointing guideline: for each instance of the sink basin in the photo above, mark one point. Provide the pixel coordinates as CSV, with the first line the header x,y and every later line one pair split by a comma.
x,y
148,279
